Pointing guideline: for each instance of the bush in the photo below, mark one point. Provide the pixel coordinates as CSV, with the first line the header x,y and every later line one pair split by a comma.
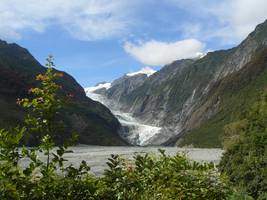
x,y
245,159
163,177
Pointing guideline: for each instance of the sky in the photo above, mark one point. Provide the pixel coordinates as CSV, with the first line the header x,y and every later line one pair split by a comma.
x,y
100,40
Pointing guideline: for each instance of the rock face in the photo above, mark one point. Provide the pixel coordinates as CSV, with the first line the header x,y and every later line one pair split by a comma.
x,y
18,68
187,94
124,86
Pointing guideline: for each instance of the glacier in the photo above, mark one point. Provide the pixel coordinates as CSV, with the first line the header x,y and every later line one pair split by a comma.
x,y
133,131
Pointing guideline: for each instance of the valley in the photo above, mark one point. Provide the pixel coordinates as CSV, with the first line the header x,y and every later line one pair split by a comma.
x,y
133,100
188,102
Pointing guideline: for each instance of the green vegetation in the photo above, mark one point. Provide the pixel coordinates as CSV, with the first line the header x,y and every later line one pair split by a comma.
x,y
164,177
245,159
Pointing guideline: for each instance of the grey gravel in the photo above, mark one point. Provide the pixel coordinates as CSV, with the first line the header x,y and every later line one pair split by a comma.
x,y
97,156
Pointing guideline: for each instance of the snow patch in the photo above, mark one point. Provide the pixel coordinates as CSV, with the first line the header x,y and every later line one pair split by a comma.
x,y
97,87
200,55
146,70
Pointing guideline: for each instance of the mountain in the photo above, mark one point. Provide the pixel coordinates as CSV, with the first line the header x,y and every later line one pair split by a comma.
x,y
18,68
191,100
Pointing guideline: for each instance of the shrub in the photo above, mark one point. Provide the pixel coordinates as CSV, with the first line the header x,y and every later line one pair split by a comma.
x,y
245,159
163,177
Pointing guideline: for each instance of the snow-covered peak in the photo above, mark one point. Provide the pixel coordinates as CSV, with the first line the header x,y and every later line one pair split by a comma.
x,y
97,87
146,70
200,55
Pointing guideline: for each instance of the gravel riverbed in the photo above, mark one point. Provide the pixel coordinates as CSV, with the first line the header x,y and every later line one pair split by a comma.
x,y
97,156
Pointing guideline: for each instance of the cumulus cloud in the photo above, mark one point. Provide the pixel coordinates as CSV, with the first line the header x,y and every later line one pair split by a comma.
x,y
156,53
83,19
240,17
230,21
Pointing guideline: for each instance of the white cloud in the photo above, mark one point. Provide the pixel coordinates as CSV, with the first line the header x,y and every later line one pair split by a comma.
x,y
229,21
239,17
155,53
83,19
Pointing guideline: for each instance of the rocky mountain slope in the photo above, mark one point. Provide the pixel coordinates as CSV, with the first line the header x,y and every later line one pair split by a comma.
x,y
18,68
192,100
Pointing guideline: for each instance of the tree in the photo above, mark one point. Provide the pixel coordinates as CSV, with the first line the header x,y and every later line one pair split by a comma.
x,y
42,120
39,178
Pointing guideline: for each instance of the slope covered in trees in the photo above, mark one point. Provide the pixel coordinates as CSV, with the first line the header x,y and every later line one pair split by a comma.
x,y
18,68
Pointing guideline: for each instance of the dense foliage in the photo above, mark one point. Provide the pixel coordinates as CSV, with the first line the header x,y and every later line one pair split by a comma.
x,y
245,159
163,177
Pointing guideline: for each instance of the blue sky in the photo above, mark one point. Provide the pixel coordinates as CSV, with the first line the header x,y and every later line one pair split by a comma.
x,y
99,40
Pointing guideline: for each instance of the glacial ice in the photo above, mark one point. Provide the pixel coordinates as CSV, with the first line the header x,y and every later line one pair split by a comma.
x,y
133,130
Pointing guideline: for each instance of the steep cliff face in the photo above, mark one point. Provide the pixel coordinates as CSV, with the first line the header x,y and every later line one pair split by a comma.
x,y
18,68
232,95
244,69
184,95
125,85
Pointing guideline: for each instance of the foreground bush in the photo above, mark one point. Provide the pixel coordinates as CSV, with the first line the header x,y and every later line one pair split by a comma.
x,y
163,177
146,177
